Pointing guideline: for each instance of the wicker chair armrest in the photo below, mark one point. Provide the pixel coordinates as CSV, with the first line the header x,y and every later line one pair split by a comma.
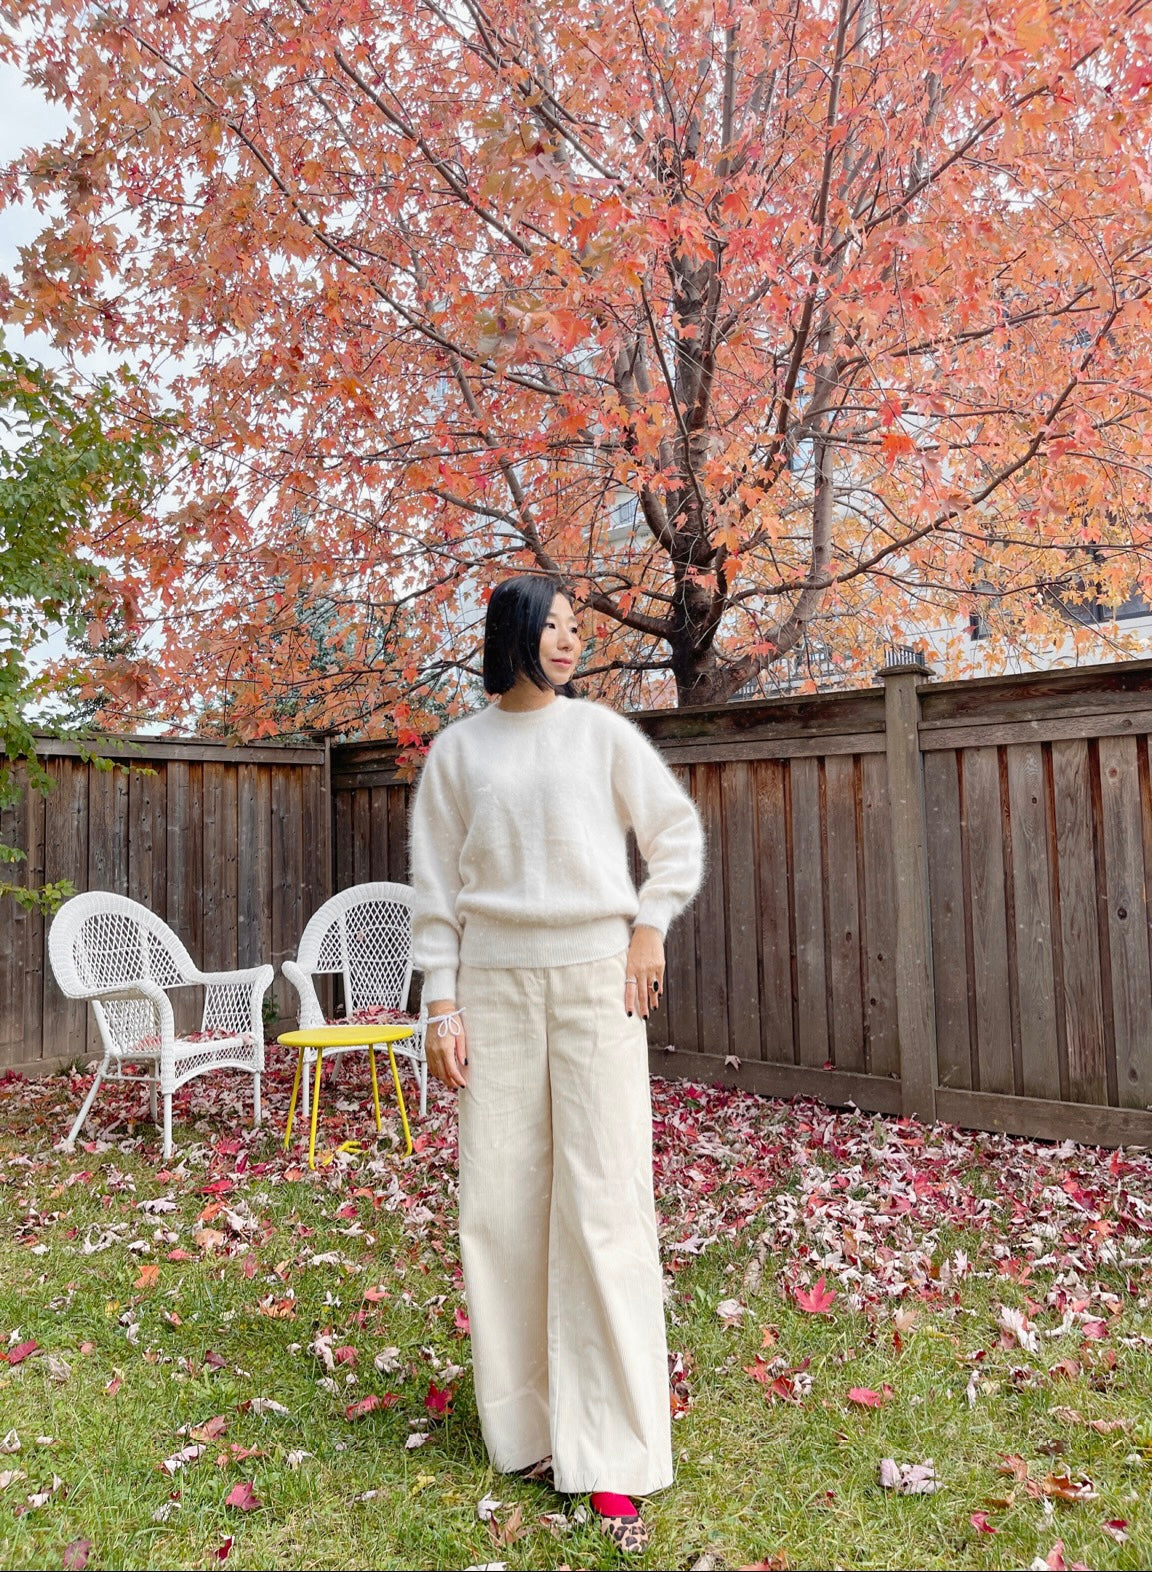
x,y
250,974
310,1014
142,989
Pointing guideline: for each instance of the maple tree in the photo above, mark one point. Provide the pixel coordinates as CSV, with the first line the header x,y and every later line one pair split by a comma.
x,y
843,304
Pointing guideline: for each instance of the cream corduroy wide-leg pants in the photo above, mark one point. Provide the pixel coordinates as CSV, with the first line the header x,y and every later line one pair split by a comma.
x,y
558,1228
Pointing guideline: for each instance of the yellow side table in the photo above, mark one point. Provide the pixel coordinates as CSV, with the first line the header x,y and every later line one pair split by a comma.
x,y
340,1039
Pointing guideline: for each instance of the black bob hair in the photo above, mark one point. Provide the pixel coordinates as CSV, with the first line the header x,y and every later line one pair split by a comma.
x,y
517,611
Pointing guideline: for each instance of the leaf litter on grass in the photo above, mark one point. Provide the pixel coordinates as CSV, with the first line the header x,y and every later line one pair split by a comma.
x,y
878,1235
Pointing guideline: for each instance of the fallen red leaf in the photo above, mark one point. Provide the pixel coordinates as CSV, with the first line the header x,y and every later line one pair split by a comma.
x,y
1012,1464
249,1266
438,1399
243,1497
364,1406
113,1387
1066,1488
76,1555
148,1276
817,1300
979,1521
375,1295
463,1325
346,1355
179,1255
224,1549
865,1396
23,1351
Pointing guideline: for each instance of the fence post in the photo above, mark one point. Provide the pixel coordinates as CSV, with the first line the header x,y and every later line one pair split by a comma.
x,y
915,1006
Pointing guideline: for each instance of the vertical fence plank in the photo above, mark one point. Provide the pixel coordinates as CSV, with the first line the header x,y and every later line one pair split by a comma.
x,y
107,851
878,901
844,903
254,865
315,872
914,1003
343,838
398,802
65,857
1032,910
680,956
711,969
808,876
185,857
215,837
777,1034
147,867
35,931
983,816
737,789
13,832
287,881
950,959
378,848
1079,931
1126,898
361,836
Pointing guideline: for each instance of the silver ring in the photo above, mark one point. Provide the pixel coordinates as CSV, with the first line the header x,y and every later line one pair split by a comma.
x,y
630,979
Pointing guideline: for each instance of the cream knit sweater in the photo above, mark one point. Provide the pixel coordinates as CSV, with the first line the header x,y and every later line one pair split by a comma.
x,y
518,841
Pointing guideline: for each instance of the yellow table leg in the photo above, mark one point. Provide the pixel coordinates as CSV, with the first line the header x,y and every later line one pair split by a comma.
x,y
375,1087
400,1101
315,1108
295,1095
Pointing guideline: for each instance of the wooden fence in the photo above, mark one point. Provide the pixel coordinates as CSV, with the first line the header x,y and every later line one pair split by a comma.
x,y
229,845
922,898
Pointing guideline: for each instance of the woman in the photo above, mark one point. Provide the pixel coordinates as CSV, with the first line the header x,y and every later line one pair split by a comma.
x,y
540,966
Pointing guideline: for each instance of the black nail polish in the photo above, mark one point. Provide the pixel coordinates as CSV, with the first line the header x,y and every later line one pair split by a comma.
x,y
629,1014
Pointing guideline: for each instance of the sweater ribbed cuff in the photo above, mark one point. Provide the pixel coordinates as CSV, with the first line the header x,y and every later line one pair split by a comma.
x,y
439,983
656,913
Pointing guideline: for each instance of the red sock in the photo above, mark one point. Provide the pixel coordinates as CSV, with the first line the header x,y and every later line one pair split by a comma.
x,y
607,1504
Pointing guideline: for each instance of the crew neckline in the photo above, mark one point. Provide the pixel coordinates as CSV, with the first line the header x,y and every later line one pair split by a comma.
x,y
537,713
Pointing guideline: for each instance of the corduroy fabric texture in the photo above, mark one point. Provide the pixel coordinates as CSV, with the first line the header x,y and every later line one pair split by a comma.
x,y
558,1227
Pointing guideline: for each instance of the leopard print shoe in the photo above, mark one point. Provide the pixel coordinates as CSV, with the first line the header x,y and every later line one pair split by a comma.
x,y
628,1534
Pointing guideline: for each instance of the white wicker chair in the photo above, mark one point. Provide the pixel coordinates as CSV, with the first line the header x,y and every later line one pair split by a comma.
x,y
365,935
121,958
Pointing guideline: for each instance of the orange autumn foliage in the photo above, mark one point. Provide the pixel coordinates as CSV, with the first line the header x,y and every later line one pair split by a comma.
x,y
845,302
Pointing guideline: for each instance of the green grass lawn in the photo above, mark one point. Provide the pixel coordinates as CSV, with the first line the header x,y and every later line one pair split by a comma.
x,y
991,1314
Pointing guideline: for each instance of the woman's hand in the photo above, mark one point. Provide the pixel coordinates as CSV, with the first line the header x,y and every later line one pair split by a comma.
x,y
644,971
448,1054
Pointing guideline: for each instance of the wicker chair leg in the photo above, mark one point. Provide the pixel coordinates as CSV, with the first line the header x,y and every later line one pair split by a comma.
x,y
152,1096
423,1087
86,1105
167,1124
256,1101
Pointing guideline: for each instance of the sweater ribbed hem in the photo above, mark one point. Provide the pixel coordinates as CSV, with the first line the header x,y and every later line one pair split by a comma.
x,y
491,944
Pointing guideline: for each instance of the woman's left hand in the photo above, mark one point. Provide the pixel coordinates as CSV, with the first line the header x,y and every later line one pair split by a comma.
x,y
644,971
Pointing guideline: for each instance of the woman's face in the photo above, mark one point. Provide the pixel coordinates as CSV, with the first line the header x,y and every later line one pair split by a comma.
x,y
560,643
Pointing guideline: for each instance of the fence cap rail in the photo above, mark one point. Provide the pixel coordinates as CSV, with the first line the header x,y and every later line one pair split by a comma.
x,y
139,747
